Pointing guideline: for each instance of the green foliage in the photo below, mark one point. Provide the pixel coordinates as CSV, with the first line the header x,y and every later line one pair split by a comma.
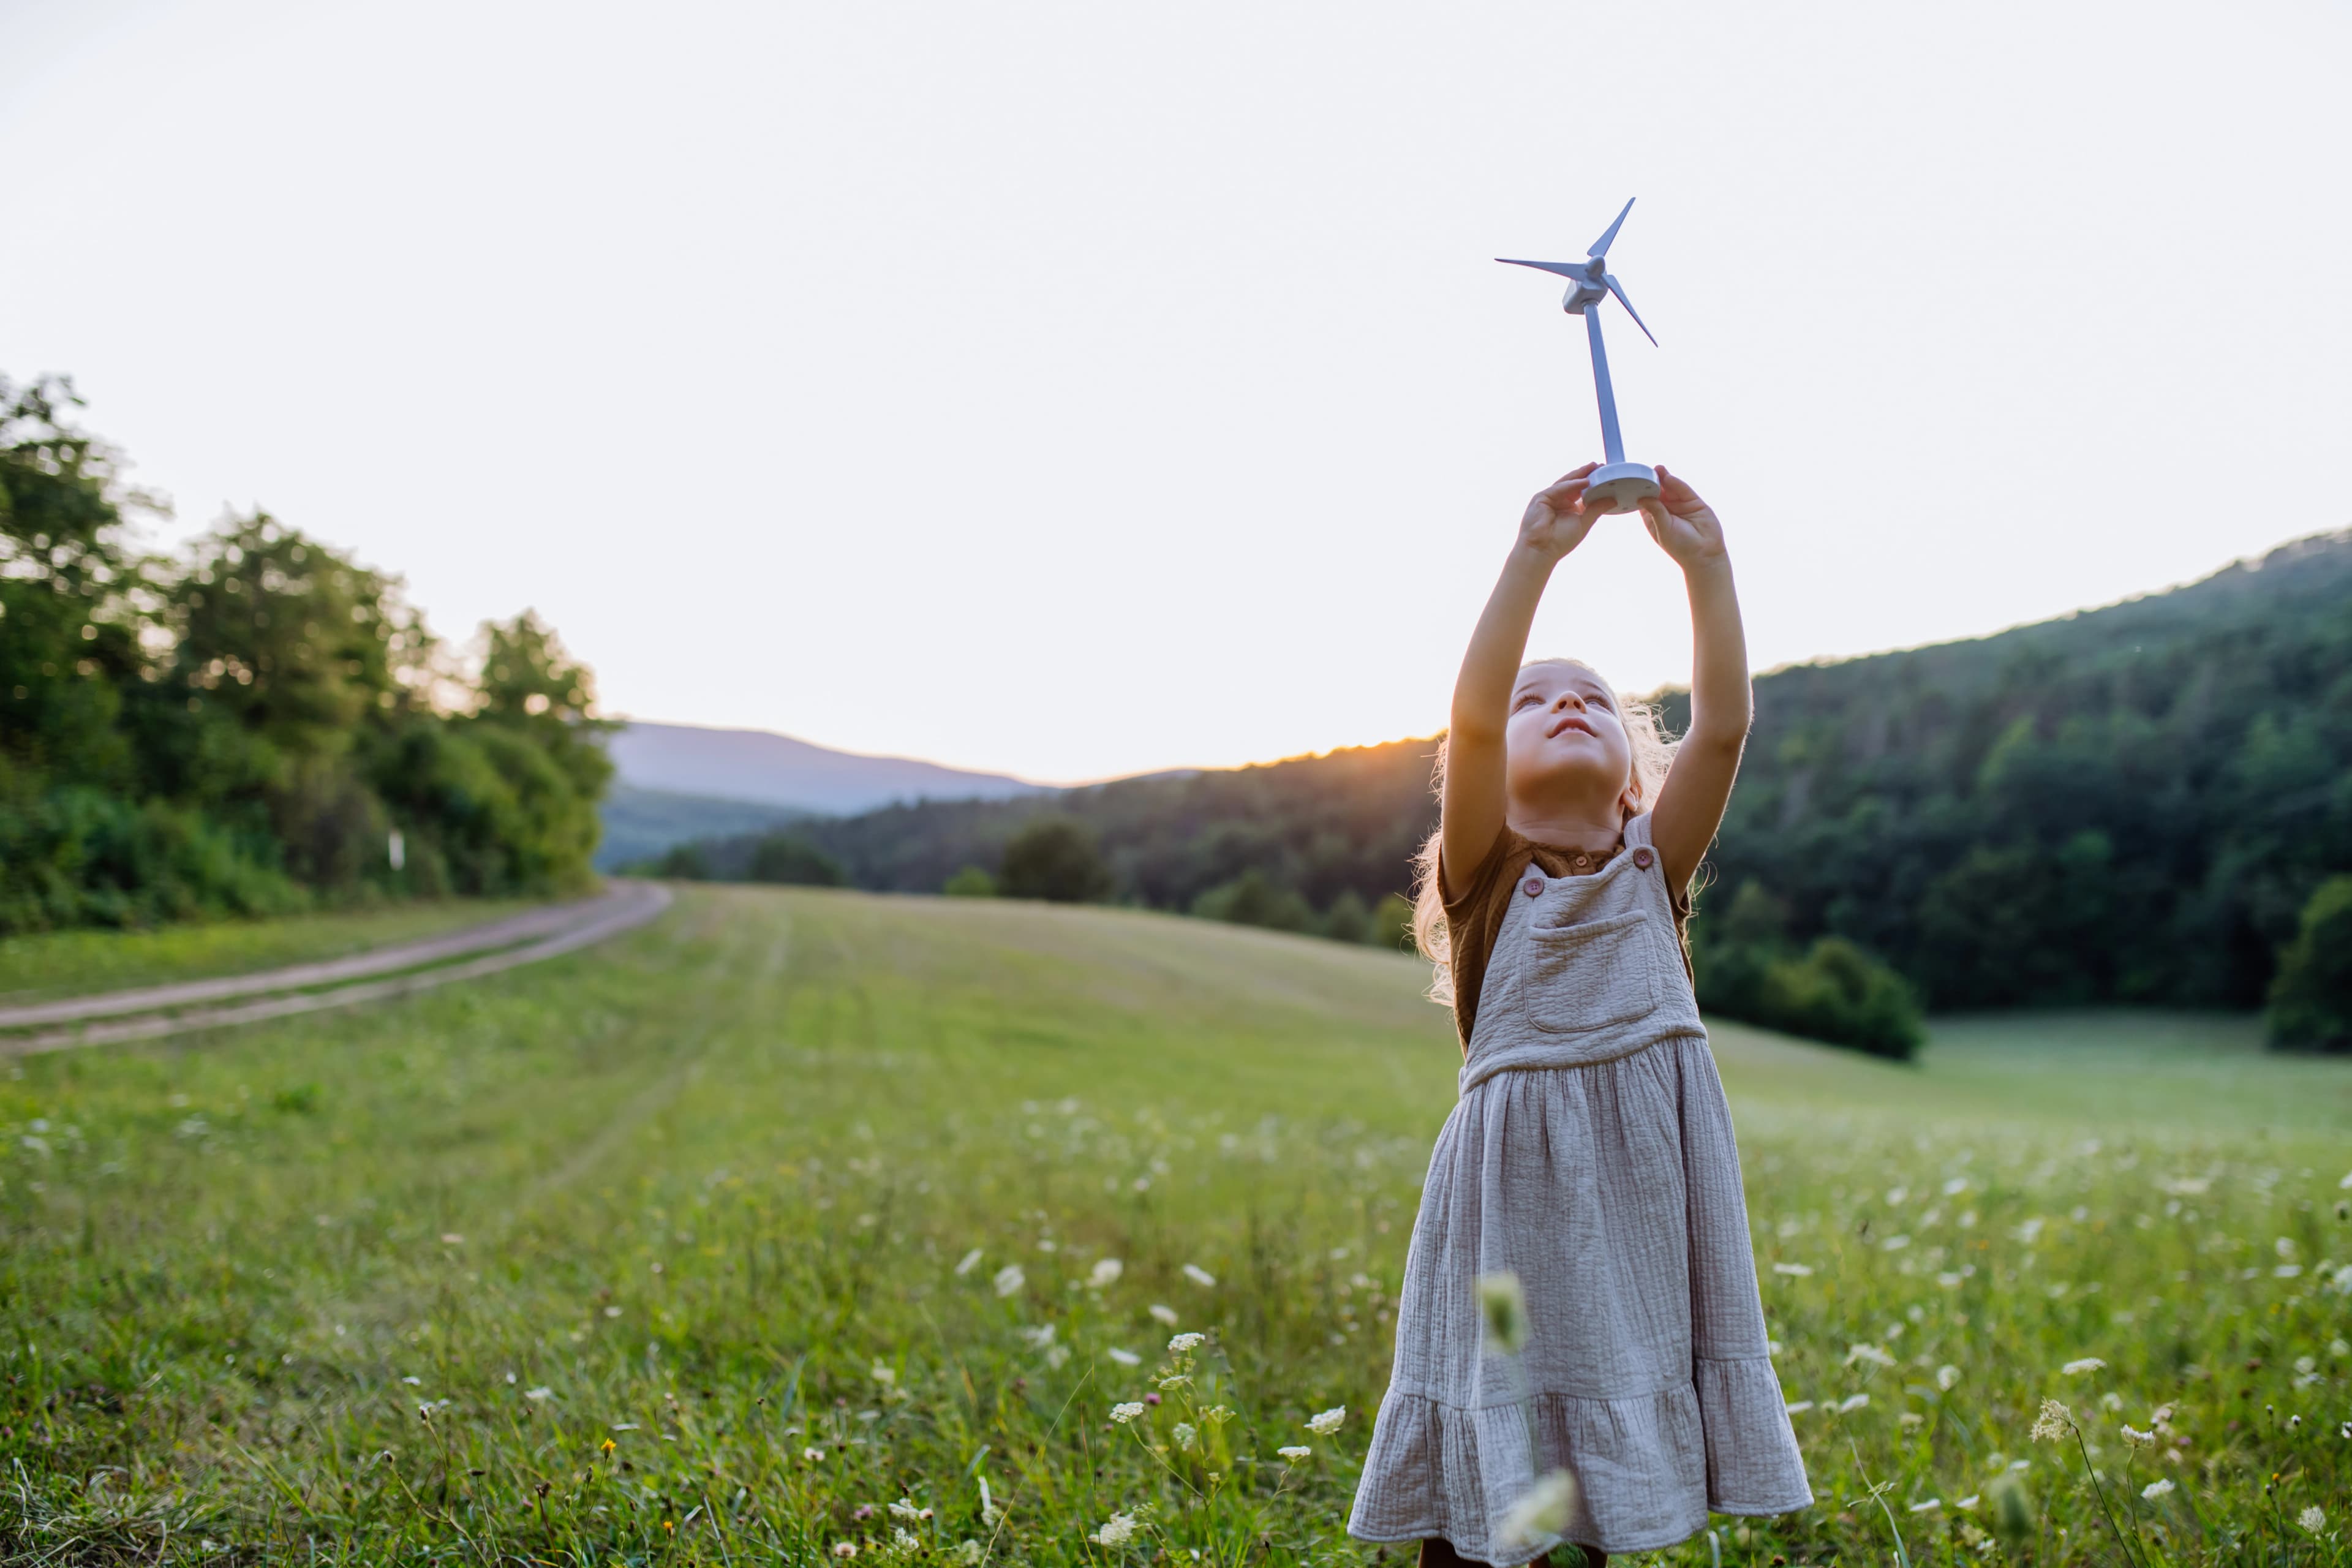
x,y
240,729
789,858
686,862
2311,1000
690,1190
971,882
1253,899
1054,858
1748,968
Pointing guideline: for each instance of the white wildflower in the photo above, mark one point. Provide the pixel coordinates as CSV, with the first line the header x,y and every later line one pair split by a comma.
x,y
905,1508
1793,1271
1056,1357
1930,1506
1542,1512
1185,1344
886,1375
970,1262
1184,1435
2053,1422
989,1513
1876,1355
1851,1402
1324,1423
1798,1407
1124,1358
1116,1530
1504,1306
845,1548
2087,1364
1296,1453
1123,1414
812,1455
1163,1314
2312,1519
1948,1377
2136,1437
541,1391
1009,1278
970,1554
1200,1276
2155,1490
905,1540
1104,1273
1042,1335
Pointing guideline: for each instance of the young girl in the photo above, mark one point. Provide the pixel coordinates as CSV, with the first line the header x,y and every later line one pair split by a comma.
x,y
1590,1153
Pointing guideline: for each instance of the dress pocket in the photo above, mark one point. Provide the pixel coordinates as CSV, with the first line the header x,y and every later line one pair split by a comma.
x,y
1578,978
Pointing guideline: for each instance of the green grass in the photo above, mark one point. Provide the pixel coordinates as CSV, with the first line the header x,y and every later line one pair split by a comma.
x,y
709,1188
70,963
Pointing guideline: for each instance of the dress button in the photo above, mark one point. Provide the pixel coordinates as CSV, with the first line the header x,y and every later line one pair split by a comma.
x,y
1642,857
1532,886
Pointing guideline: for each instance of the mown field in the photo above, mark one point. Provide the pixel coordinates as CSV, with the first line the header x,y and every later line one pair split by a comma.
x,y
807,1226
74,963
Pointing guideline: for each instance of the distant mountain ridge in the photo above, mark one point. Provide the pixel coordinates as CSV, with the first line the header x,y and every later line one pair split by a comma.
x,y
764,768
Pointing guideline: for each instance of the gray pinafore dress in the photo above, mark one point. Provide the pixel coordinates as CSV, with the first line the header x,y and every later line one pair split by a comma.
x,y
1591,1156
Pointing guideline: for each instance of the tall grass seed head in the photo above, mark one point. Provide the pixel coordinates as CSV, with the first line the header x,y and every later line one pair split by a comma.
x,y
1542,1512
1503,1307
2012,1512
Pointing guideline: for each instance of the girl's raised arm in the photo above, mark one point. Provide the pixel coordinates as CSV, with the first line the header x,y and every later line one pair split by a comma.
x,y
1472,807
1697,787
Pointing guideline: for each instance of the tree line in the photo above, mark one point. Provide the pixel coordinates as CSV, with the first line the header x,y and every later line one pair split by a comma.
x,y
2141,803
257,723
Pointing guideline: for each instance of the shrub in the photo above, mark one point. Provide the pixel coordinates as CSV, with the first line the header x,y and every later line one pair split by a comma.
x,y
971,882
1834,991
1055,859
790,859
1252,898
2311,999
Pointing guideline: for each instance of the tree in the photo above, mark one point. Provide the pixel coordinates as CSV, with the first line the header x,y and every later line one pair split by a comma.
x,y
2311,1000
971,882
790,859
1054,858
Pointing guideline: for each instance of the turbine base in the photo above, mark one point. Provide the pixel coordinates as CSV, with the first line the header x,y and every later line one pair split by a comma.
x,y
1619,487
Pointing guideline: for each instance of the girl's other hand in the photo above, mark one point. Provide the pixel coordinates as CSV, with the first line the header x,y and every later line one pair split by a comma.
x,y
1556,521
1684,526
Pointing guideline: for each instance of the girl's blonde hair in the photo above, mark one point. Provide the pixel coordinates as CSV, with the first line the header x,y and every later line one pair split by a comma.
x,y
1654,754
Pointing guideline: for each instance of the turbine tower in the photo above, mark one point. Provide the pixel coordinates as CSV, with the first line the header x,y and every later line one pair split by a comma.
x,y
1617,485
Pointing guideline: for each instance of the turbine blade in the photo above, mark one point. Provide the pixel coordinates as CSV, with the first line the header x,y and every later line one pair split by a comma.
x,y
1613,288
1600,246
1564,269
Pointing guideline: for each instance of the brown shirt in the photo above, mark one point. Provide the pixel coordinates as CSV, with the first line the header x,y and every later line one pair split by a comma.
x,y
1473,919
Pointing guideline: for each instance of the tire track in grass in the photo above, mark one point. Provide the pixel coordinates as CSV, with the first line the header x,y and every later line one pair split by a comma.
x,y
657,1096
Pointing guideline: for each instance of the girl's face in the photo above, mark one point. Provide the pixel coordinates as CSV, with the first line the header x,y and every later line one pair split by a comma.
x,y
1564,743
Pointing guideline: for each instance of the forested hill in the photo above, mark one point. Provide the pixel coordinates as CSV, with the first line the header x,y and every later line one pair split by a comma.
x,y
2128,803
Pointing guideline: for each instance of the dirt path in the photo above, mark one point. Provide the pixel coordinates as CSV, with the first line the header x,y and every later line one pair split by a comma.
x,y
158,1010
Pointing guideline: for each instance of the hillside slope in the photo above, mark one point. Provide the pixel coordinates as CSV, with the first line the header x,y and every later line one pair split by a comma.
x,y
2126,804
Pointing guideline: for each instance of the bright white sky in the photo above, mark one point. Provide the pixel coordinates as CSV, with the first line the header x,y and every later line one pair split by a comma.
x,y
1072,389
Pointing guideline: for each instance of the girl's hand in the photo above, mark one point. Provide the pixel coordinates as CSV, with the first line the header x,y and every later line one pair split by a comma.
x,y
1556,521
1684,526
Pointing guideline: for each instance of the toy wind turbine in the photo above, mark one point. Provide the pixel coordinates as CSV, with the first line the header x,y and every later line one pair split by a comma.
x,y
1617,485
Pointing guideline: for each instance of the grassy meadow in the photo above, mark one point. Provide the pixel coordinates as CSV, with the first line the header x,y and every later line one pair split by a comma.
x,y
36,967
810,1226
